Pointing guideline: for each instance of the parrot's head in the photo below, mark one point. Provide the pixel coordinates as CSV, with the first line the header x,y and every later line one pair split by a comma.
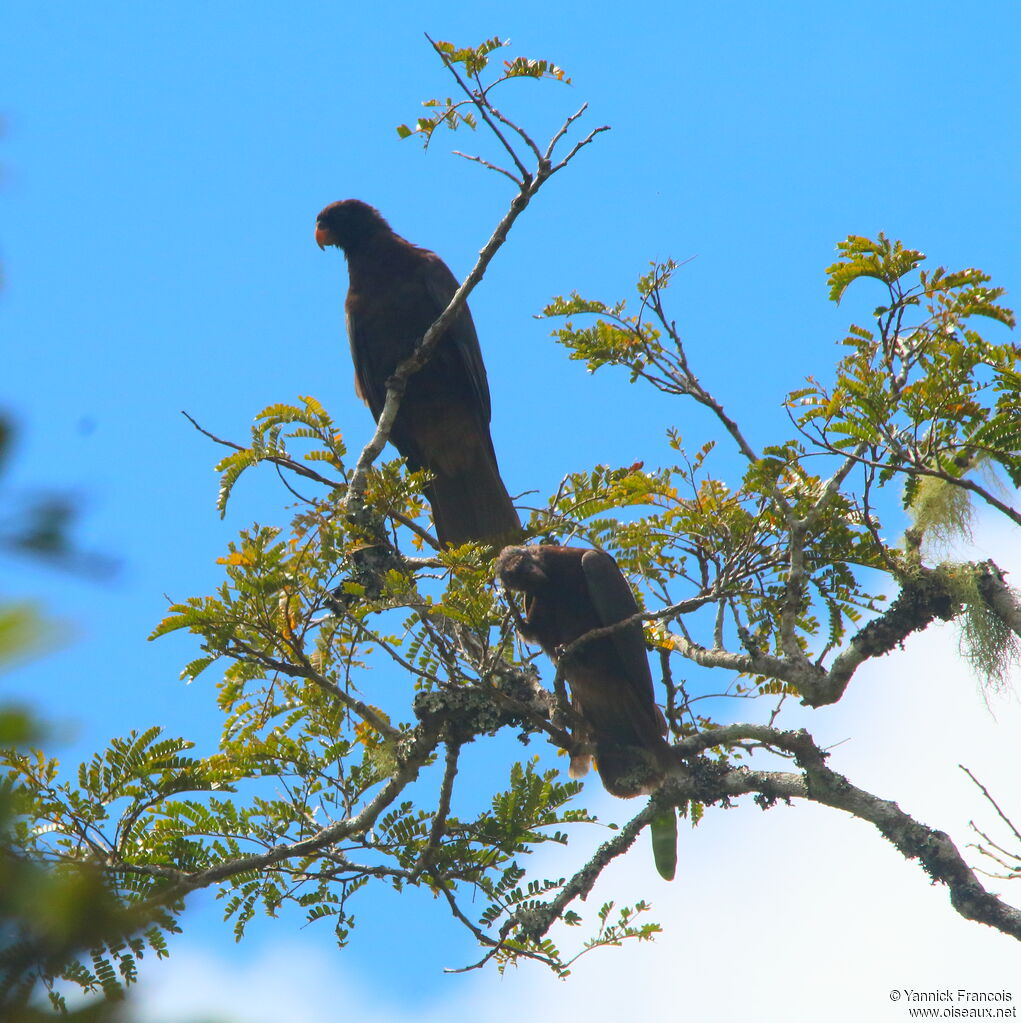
x,y
347,223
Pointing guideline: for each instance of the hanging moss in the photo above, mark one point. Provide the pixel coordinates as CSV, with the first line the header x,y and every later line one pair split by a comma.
x,y
941,512
986,642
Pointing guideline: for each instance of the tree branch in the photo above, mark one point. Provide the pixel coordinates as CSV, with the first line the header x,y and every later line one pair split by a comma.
x,y
1000,597
935,851
305,670
412,758
528,186
442,809
280,460
924,597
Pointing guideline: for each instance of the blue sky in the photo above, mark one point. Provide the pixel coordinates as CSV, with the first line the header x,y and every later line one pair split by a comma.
x,y
163,165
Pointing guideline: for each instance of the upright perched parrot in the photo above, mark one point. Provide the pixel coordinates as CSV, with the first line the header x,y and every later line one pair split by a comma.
x,y
568,592
396,291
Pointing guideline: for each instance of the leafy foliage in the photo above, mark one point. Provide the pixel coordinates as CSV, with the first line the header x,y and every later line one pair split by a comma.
x,y
299,804
923,392
357,662
473,61
50,910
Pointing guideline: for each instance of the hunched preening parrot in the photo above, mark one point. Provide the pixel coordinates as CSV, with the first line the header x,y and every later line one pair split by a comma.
x,y
568,592
396,291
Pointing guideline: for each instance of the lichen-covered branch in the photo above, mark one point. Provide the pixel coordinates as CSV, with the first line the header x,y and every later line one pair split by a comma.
x,y
934,850
926,595
1000,597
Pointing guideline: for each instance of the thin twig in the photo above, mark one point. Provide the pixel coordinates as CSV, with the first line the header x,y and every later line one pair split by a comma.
x,y
279,460
985,792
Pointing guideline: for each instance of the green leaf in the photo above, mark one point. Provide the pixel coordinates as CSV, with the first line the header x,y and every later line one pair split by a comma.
x,y
23,630
663,830
862,257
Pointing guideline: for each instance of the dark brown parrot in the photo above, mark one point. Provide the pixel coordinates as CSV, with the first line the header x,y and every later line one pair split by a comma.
x,y
395,293
568,592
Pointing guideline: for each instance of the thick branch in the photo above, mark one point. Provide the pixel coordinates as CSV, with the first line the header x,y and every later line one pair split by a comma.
x,y
804,676
936,852
537,920
442,810
999,596
923,598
